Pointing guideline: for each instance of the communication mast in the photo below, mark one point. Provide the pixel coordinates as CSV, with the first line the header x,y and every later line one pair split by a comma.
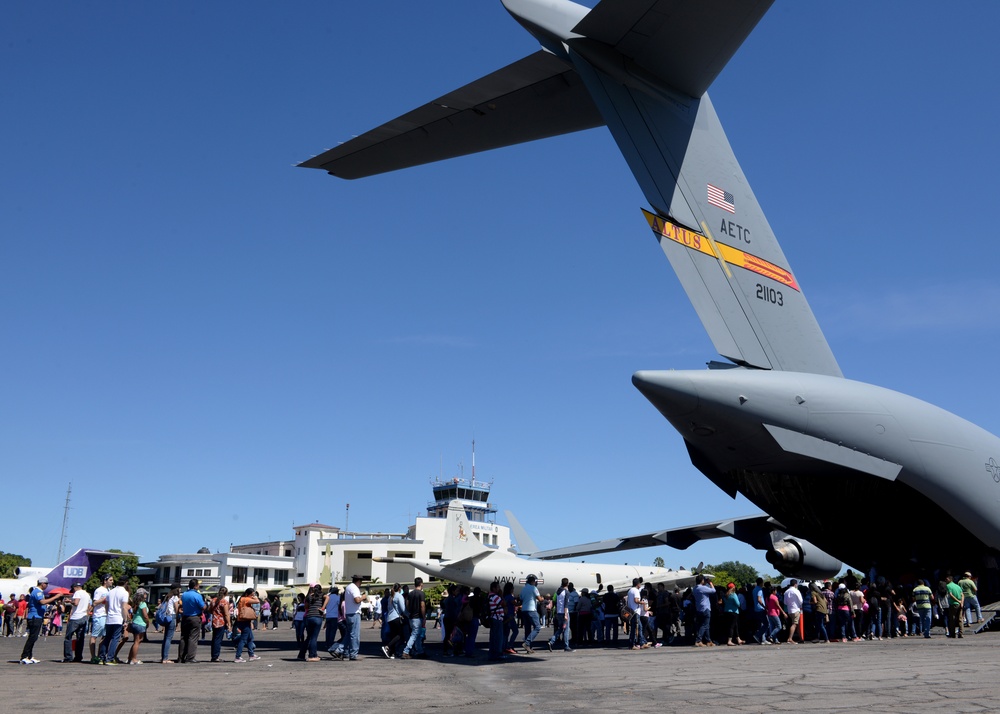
x,y
62,536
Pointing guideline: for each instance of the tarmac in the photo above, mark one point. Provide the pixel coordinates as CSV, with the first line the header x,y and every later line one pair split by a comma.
x,y
899,675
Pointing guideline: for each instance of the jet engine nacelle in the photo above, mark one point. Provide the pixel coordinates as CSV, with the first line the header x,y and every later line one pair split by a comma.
x,y
800,558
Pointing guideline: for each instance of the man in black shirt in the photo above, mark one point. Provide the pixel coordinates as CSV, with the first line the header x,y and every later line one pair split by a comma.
x,y
612,607
416,607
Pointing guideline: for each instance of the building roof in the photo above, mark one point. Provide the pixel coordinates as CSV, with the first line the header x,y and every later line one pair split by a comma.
x,y
318,525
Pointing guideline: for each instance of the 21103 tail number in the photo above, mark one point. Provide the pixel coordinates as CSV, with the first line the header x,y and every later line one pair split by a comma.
x,y
770,295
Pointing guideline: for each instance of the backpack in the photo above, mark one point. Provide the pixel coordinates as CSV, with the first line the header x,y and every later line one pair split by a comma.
x,y
161,618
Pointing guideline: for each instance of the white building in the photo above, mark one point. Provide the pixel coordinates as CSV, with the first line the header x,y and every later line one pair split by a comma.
x,y
323,554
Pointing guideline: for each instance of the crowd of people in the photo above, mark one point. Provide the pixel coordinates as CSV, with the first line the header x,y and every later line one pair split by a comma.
x,y
646,615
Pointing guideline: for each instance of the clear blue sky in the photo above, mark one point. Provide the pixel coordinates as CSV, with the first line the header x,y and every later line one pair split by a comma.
x,y
185,312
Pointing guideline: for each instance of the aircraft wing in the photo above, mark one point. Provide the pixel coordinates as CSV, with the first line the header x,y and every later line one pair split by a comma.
x,y
534,98
753,530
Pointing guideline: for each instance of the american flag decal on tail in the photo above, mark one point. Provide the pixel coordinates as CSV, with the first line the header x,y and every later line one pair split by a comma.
x,y
721,199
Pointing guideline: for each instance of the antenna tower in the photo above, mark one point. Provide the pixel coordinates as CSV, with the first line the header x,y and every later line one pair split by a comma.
x,y
65,523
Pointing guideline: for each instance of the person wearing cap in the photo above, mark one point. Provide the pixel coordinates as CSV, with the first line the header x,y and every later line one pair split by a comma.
x,y
35,616
530,598
971,593
77,626
99,619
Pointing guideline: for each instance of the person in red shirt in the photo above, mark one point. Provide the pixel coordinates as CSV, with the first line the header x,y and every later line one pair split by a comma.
x,y
19,620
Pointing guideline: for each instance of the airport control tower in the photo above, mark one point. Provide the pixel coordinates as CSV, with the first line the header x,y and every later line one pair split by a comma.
x,y
474,495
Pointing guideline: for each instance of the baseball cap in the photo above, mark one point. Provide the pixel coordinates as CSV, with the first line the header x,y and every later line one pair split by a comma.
x,y
43,579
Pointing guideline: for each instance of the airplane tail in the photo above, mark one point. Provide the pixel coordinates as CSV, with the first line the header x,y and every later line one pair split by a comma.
x,y
77,568
706,217
642,67
459,543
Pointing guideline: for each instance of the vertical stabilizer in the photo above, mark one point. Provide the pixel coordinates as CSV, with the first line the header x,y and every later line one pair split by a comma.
x,y
459,543
525,545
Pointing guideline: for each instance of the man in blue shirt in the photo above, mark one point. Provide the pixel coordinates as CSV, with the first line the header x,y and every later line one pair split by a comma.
x,y
192,606
759,612
703,594
36,612
529,612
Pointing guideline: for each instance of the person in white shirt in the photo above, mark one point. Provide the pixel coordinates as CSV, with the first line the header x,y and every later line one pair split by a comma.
x,y
793,605
77,624
119,611
633,601
352,614
100,616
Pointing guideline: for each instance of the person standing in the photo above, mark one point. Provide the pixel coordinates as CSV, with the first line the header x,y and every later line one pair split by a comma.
x,y
352,615
529,612
222,621
331,609
561,628
956,601
98,620
416,605
633,603
495,618
395,616
971,594
119,612
192,608
793,606
77,626
703,593
313,623
245,617
731,614
922,602
35,616
821,609
759,612
612,606
138,624
168,614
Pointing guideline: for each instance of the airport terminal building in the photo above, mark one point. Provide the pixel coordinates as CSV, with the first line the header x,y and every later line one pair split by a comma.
x,y
320,553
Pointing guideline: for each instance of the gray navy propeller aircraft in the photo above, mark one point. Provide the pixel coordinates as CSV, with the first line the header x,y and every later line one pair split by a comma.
x,y
777,422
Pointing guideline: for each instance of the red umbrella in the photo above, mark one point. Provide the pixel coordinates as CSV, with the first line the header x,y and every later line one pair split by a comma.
x,y
57,591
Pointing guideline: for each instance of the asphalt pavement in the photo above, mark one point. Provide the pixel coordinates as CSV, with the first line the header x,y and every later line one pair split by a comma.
x,y
901,675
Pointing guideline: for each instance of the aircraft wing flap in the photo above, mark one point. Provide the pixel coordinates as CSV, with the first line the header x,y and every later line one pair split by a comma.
x,y
754,530
685,43
536,97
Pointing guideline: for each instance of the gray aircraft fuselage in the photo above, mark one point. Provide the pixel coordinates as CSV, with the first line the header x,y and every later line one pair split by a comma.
x,y
869,475
852,466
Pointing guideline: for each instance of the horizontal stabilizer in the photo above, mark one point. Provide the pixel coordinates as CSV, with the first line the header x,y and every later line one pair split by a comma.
x,y
684,43
534,98
753,530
